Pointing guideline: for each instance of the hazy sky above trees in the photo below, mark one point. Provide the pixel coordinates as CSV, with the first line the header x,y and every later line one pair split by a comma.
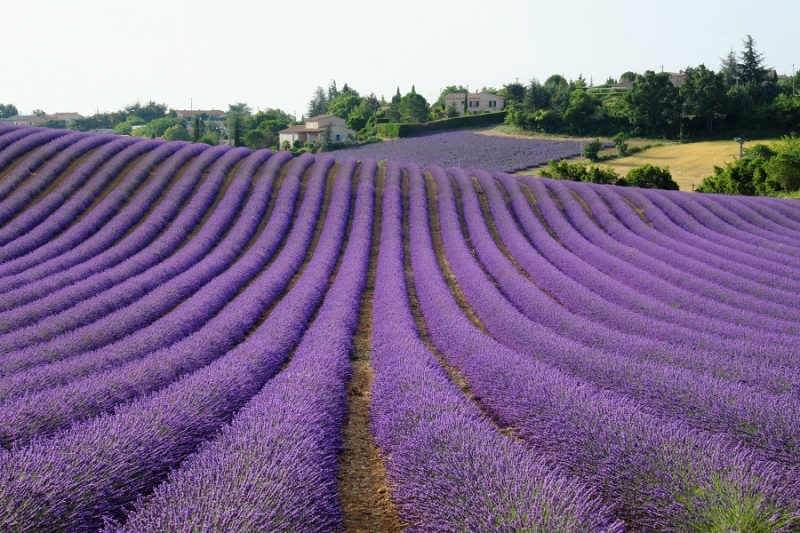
x,y
85,55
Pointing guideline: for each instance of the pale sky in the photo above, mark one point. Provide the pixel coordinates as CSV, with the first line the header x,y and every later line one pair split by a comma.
x,y
85,55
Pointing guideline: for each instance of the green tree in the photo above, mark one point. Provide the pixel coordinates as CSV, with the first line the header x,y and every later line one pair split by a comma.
x,y
156,128
704,93
123,128
8,110
198,128
651,177
751,64
148,112
591,150
333,92
414,108
256,140
452,110
738,177
393,113
513,92
318,104
38,113
558,93
176,133
326,141
344,104
536,97
580,108
729,68
621,142
237,122
210,138
653,103
784,111
783,169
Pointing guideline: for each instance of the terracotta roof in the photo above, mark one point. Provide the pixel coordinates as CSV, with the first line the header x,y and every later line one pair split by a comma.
x,y
471,95
301,128
209,112
64,115
318,117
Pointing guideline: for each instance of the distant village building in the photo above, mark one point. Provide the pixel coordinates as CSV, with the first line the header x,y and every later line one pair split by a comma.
x,y
677,78
213,114
69,117
312,131
476,102
25,120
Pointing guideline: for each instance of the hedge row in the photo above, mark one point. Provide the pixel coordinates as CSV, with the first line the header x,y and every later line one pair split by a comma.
x,y
469,121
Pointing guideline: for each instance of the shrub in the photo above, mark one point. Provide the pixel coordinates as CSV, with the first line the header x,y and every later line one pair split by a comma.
x,y
592,149
621,142
176,133
209,138
563,170
651,177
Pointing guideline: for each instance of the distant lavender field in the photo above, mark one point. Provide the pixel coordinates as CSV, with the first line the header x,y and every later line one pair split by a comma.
x,y
467,150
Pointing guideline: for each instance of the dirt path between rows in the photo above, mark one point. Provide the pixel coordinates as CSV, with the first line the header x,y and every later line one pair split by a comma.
x,y
363,487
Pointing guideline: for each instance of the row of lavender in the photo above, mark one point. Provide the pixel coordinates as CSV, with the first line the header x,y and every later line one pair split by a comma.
x,y
161,390
660,330
201,339
468,150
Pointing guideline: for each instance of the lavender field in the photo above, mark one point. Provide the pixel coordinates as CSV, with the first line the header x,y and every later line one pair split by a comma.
x,y
198,339
467,150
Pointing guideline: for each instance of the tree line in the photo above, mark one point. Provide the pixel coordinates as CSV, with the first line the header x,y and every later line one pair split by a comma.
x,y
743,96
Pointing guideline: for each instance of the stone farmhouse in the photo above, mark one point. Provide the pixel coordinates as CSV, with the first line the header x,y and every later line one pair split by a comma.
x,y
476,102
25,120
312,131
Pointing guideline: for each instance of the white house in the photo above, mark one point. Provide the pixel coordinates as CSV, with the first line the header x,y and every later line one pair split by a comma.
x,y
476,102
25,120
312,131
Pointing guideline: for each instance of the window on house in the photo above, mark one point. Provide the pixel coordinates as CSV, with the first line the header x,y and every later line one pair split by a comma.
x,y
338,138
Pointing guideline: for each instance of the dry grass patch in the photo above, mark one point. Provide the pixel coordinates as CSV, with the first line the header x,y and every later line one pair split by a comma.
x,y
689,163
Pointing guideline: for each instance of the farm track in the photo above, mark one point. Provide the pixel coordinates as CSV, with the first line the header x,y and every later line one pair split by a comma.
x,y
362,482
220,336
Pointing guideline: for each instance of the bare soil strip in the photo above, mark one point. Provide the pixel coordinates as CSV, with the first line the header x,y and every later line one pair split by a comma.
x,y
585,207
226,183
487,216
114,184
162,197
454,373
535,208
638,210
326,201
363,487
438,246
18,161
66,174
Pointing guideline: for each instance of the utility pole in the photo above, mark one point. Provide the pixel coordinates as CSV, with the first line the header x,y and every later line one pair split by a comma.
x,y
191,104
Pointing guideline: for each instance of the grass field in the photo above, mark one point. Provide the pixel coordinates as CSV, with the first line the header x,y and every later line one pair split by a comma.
x,y
689,163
